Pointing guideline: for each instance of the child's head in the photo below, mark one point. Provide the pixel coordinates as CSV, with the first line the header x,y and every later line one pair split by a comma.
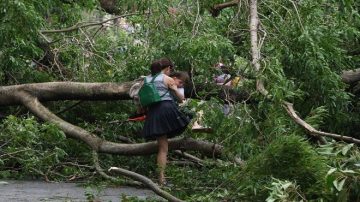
x,y
180,78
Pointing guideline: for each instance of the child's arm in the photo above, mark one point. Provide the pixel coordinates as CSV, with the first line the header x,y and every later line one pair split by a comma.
x,y
172,86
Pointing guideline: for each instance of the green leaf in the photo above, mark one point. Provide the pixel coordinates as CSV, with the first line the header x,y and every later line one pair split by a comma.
x,y
331,171
345,149
339,185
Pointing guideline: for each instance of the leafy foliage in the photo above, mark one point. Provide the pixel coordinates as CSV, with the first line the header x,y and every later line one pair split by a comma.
x,y
286,158
305,45
29,148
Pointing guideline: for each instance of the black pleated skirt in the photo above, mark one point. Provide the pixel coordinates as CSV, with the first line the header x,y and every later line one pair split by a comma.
x,y
164,118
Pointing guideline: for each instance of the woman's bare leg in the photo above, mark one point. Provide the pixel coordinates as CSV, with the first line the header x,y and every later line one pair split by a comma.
x,y
162,157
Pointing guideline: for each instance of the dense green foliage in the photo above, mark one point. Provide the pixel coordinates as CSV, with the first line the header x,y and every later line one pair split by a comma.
x,y
287,158
305,45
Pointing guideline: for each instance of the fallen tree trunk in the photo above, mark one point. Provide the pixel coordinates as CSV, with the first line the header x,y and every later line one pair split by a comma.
x,y
53,91
29,95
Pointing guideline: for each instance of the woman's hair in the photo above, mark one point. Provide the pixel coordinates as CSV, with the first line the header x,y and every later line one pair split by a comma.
x,y
160,64
184,76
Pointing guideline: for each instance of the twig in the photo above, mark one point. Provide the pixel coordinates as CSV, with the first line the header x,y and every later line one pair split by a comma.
x,y
10,154
77,165
196,23
189,156
101,171
182,163
41,173
68,108
7,142
298,15
83,24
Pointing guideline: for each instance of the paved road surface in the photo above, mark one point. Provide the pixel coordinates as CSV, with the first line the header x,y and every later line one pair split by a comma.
x,y
29,191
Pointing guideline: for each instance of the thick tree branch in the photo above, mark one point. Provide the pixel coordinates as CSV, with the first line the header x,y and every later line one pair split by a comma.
x,y
255,50
100,145
216,9
145,181
351,76
289,108
53,91
178,152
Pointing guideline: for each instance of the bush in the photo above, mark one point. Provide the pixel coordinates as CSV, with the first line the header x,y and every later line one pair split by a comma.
x,y
29,148
286,158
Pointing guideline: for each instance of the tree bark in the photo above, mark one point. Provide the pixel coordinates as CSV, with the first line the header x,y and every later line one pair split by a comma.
x,y
53,91
311,130
22,94
216,9
255,51
351,76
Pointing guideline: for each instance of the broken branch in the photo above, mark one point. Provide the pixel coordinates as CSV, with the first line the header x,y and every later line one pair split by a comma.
x,y
311,130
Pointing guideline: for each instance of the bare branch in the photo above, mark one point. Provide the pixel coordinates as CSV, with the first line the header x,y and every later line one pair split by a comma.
x,y
289,108
145,181
255,52
190,157
101,171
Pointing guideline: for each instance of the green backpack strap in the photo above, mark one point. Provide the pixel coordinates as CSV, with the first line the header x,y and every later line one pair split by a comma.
x,y
152,81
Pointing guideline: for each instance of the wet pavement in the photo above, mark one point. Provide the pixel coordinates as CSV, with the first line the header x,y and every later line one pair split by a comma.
x,y
29,191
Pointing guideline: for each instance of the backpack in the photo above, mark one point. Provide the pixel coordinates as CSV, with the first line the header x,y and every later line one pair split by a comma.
x,y
148,94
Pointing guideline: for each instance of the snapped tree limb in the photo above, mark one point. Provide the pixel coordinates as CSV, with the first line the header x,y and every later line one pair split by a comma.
x,y
347,77
289,108
255,50
28,94
145,181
